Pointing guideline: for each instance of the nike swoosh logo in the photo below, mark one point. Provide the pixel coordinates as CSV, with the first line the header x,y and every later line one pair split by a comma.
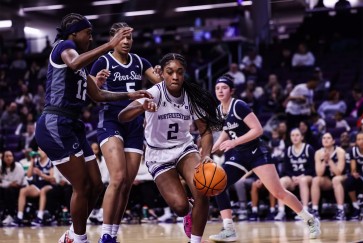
x,y
114,66
254,151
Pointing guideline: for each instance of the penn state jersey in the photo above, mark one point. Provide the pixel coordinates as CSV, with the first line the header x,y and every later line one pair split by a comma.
x,y
65,88
170,125
358,157
299,163
334,158
123,77
45,169
234,125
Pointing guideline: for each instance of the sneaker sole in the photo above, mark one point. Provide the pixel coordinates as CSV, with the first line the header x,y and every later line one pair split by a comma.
x,y
230,239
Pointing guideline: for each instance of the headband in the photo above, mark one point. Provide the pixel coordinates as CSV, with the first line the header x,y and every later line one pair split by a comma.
x,y
75,27
225,80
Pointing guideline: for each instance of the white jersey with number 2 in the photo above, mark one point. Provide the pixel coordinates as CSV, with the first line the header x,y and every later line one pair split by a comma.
x,y
169,126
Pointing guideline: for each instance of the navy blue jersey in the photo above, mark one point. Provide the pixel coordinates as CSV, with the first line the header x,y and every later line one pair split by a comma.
x,y
123,77
299,163
334,158
45,169
65,88
234,125
358,157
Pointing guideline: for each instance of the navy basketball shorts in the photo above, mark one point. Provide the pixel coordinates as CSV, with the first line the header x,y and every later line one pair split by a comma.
x,y
60,137
248,158
131,133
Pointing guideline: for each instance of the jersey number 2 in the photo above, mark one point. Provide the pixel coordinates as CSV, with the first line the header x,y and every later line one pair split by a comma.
x,y
174,128
82,89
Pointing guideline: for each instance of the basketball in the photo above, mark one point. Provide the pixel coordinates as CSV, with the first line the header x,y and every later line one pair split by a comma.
x,y
210,179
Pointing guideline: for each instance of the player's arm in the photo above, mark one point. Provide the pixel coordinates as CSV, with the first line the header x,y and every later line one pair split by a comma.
x,y
222,137
206,139
319,163
255,129
136,108
153,74
75,61
338,168
99,95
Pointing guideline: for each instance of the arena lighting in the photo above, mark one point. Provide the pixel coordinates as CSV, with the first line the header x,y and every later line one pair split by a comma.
x,y
42,8
32,31
138,13
5,23
90,17
107,2
211,6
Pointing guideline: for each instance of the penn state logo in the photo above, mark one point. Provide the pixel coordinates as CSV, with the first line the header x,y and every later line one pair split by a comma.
x,y
117,132
75,146
232,158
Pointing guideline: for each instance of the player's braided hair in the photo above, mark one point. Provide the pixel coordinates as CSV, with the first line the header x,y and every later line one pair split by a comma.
x,y
116,26
202,102
66,24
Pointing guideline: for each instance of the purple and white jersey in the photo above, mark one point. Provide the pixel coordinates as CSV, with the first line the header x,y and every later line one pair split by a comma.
x,y
170,125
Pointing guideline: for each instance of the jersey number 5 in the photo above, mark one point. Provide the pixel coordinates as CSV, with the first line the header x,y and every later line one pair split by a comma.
x,y
82,89
174,128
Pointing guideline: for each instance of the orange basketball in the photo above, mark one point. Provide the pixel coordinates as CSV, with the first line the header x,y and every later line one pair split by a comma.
x,y
210,179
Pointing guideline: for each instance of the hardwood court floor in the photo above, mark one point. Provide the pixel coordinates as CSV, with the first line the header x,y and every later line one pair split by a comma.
x,y
259,232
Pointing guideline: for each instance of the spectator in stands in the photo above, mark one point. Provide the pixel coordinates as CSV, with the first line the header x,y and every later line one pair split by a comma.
x,y
39,99
330,174
298,170
24,97
11,179
355,108
277,145
238,76
334,104
340,122
18,66
282,131
302,57
10,117
322,90
274,95
345,143
252,57
28,137
40,179
354,182
300,103
342,4
318,127
309,137
31,76
285,59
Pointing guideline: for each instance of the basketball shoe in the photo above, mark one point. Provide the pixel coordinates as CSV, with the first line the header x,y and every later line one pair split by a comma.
x,y
187,221
106,238
226,235
65,238
314,228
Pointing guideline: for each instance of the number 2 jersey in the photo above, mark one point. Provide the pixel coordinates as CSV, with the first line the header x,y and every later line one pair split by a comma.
x,y
169,126
66,88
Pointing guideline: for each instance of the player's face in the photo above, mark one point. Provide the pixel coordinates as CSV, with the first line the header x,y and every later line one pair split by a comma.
x,y
173,74
125,44
327,140
223,92
296,137
83,39
360,141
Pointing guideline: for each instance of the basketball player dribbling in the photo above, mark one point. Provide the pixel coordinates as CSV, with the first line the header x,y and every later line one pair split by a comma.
x,y
240,140
170,150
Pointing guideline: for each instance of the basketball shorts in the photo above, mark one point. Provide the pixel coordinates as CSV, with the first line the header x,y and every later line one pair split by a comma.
x,y
159,161
248,159
131,133
59,137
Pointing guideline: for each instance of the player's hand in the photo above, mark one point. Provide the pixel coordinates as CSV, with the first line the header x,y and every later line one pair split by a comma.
x,y
37,171
207,159
122,33
102,76
157,70
139,94
227,145
355,175
150,106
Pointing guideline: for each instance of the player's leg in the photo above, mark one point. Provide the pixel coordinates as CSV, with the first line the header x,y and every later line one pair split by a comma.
x,y
319,183
28,191
339,195
286,183
42,203
304,187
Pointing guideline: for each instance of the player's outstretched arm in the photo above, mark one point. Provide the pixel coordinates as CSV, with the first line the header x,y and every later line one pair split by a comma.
x,y
135,109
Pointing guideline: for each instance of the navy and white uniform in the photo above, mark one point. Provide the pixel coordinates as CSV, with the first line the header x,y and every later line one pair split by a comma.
x,y
123,78
302,163
36,180
59,132
167,131
353,184
334,158
244,157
